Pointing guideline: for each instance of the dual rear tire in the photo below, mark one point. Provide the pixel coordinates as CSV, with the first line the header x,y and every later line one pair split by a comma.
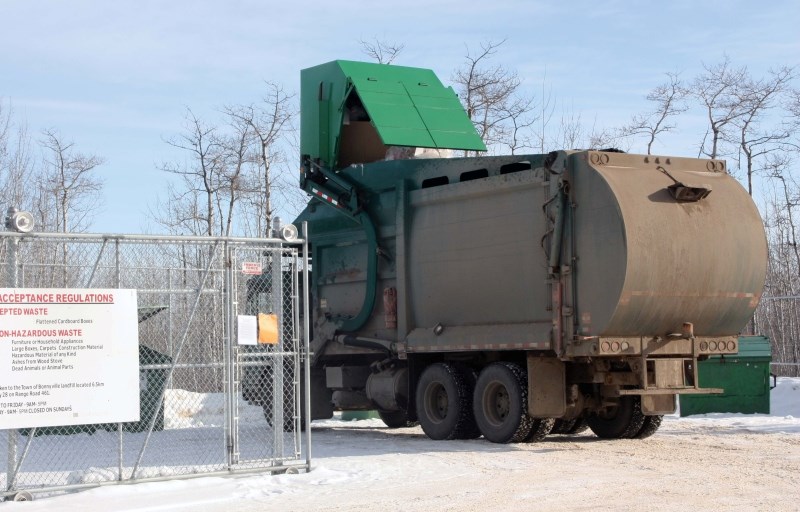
x,y
455,403
500,404
624,421
444,406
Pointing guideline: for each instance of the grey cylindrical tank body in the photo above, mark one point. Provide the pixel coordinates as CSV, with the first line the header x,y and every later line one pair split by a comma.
x,y
471,255
647,263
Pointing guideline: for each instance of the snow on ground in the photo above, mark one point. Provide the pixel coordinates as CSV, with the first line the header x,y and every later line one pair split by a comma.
x,y
706,462
186,409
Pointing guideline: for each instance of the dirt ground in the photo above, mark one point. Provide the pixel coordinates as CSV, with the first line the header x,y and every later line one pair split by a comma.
x,y
718,463
684,466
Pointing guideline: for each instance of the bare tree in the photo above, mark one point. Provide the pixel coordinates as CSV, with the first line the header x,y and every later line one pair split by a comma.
x,y
179,210
235,168
492,99
793,107
69,190
788,196
518,124
778,313
5,129
233,173
756,99
383,52
570,133
231,167
573,133
546,108
201,178
669,102
17,162
718,91
270,122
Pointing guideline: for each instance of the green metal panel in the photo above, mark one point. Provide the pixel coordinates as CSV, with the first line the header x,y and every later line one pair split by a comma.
x,y
416,113
745,378
755,348
407,107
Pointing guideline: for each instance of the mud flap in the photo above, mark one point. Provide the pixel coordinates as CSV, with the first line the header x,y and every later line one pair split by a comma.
x,y
654,405
547,396
669,373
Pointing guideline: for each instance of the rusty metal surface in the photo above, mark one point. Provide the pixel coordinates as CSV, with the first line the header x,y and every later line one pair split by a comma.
x,y
547,387
648,263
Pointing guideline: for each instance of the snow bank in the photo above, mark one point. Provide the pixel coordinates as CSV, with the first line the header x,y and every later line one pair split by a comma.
x,y
186,409
784,414
785,398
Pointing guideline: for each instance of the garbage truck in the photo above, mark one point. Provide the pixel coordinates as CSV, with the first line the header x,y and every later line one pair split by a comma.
x,y
515,296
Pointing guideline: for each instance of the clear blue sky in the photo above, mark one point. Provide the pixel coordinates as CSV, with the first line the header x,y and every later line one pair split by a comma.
x,y
115,76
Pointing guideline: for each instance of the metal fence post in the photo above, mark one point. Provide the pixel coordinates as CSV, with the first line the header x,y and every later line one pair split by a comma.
x,y
118,284
296,351
13,435
306,395
279,366
170,320
231,416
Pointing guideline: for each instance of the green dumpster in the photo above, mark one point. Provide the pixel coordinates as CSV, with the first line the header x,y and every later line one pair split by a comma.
x,y
153,369
745,378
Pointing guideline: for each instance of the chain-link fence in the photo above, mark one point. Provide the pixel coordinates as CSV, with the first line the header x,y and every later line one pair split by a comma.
x,y
778,318
219,353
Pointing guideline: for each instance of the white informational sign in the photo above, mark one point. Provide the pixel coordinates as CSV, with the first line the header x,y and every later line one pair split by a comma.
x,y
68,357
247,332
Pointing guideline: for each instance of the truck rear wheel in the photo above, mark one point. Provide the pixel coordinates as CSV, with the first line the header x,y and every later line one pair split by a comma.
x,y
650,426
541,427
501,403
563,426
622,421
579,426
470,428
570,427
443,401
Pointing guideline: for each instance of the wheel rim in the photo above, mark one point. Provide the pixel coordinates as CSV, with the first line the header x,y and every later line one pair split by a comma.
x,y
436,403
496,403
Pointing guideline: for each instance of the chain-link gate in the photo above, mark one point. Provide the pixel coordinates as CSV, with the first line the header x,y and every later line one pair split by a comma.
x,y
211,400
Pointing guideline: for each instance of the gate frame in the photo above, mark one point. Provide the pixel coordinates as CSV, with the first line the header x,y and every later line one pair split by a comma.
x,y
14,462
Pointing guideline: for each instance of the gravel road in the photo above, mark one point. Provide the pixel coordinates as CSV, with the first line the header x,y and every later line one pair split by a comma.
x,y
685,466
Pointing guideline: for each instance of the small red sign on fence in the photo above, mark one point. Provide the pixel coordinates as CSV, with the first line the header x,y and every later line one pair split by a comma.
x,y
251,267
